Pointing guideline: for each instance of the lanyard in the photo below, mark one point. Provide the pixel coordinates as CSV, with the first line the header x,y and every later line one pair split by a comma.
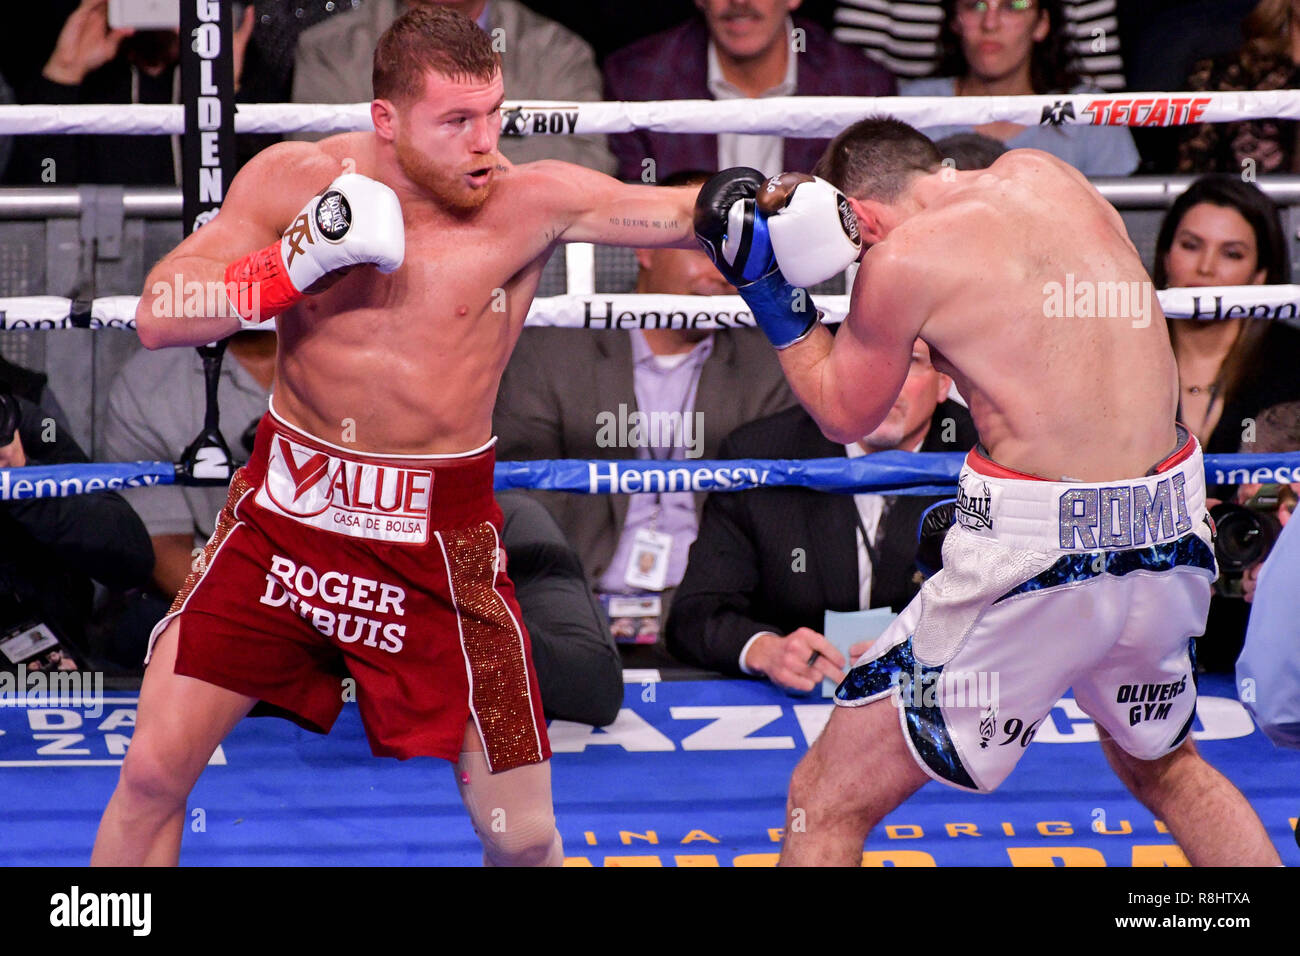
x,y
872,553
692,387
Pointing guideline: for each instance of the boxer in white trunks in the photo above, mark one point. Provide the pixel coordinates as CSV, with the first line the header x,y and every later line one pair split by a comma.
x,y
1082,555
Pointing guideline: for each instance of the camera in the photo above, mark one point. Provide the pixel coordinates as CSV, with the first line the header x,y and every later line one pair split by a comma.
x,y
153,14
144,14
10,417
1245,534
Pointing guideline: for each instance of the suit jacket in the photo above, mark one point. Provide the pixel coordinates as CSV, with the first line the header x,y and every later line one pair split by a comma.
x,y
579,671
674,65
741,578
539,60
559,380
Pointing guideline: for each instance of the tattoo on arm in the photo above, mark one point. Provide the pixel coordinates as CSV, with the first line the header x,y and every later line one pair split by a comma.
x,y
644,223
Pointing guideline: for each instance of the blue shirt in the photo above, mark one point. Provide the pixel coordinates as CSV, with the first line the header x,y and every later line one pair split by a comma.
x,y
1092,150
664,385
1270,659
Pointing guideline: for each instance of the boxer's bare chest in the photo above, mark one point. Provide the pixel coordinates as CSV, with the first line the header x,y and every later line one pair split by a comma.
x,y
461,282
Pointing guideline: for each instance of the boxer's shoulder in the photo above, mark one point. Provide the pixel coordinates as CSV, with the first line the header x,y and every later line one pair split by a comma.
x,y
298,167
1034,161
556,183
278,180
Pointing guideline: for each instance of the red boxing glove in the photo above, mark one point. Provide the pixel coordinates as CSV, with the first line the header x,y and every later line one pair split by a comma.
x,y
357,220
258,286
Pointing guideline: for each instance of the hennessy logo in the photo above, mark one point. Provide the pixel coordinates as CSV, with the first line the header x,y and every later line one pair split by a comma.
x,y
1057,113
295,235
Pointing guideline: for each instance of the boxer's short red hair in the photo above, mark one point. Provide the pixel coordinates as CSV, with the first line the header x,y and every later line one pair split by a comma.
x,y
430,39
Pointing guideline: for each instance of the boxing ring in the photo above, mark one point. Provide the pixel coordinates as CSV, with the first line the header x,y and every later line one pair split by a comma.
x,y
693,773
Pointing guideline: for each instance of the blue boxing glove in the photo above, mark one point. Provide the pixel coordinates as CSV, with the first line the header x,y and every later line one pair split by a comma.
x,y
734,233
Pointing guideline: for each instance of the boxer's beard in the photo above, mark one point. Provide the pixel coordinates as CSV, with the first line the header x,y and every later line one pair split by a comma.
x,y
446,187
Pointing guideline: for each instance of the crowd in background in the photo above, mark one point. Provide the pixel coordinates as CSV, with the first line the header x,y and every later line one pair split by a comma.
x,y
735,610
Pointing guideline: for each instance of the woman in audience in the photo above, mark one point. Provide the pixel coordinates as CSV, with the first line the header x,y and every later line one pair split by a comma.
x,y
1012,48
1267,61
1222,231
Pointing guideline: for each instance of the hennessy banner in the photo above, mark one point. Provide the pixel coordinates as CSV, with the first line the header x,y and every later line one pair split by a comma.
x,y
208,91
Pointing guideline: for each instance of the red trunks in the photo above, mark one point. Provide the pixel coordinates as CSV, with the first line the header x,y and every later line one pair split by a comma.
x,y
328,563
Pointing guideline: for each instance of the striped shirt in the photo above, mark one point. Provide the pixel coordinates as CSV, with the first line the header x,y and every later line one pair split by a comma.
x,y
903,35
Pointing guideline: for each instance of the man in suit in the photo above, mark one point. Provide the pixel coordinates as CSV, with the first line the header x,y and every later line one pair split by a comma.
x,y
736,49
579,671
539,60
767,563
567,392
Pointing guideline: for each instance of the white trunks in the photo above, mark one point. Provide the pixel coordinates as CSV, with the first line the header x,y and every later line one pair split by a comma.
x,y
1047,585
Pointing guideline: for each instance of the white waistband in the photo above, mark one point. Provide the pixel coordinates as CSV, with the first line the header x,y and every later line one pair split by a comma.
x,y
1085,516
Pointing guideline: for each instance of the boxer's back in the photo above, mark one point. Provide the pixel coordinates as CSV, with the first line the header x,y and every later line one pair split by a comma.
x,y
1039,306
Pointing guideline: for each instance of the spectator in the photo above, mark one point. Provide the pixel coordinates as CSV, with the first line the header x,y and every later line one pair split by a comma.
x,y
905,36
970,150
1160,38
571,393
1268,670
92,63
1016,48
1222,231
738,49
1277,430
1267,61
611,26
578,666
745,606
51,548
156,406
269,63
539,60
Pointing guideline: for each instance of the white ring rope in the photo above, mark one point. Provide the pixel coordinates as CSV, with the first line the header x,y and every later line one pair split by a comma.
x,y
623,312
798,116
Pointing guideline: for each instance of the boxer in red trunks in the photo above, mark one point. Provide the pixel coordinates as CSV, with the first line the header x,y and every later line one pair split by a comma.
x,y
361,542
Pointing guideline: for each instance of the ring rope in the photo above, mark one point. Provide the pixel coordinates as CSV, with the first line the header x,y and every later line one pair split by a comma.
x,y
617,312
885,472
815,117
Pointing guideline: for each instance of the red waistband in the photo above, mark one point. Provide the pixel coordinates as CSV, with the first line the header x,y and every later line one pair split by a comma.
x,y
978,462
461,490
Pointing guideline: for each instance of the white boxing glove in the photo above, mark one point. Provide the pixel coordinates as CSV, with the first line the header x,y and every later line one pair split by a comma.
x,y
814,233
355,220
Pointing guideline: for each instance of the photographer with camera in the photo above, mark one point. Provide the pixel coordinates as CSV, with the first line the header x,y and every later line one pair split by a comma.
x,y
1220,232
98,58
51,548
1268,670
